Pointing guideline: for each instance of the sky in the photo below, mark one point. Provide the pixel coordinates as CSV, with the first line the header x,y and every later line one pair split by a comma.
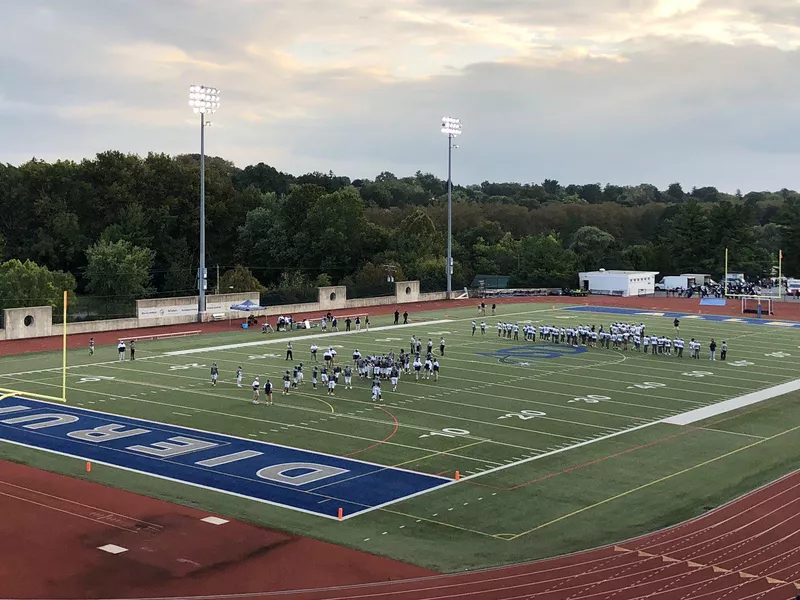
x,y
703,92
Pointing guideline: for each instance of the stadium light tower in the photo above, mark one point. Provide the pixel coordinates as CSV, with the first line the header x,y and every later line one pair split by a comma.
x,y
452,128
204,101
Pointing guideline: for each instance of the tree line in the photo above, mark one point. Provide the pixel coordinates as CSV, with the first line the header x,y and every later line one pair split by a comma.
x,y
120,226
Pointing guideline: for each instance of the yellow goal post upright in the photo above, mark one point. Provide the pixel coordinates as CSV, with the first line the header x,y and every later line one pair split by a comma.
x,y
773,296
6,392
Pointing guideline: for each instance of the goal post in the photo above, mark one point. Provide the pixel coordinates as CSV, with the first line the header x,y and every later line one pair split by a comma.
x,y
10,392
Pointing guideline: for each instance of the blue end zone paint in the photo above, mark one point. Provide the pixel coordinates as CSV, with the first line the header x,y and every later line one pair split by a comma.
x,y
671,315
306,481
521,355
713,302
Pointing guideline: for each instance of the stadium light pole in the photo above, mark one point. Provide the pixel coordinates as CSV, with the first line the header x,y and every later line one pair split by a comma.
x,y
452,128
203,100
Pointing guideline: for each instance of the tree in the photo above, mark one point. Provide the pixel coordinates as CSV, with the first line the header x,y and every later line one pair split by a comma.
x,y
592,245
119,270
239,279
24,284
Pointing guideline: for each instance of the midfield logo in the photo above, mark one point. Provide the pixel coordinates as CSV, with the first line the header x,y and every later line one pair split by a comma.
x,y
522,356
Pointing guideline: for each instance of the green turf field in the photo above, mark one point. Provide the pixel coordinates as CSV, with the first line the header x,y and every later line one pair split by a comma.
x,y
556,454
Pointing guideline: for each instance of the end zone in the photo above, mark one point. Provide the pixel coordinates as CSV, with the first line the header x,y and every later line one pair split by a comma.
x,y
302,480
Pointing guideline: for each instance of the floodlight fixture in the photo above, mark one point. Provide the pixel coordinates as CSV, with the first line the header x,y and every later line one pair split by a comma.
x,y
203,100
451,126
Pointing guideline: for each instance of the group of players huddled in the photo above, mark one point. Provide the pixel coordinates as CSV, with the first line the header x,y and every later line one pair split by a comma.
x,y
375,368
619,336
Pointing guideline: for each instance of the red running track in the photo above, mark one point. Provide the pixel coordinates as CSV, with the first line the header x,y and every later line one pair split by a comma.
x,y
52,527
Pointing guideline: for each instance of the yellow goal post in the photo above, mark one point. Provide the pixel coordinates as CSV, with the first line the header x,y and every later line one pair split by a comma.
x,y
8,392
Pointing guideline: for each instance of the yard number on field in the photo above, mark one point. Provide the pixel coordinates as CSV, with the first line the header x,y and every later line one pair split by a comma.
x,y
647,385
449,432
94,379
259,356
697,374
778,355
184,367
590,399
524,415
741,363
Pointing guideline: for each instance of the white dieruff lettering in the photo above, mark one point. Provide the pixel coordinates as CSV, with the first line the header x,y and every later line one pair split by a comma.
x,y
316,473
11,409
228,458
105,433
50,420
174,447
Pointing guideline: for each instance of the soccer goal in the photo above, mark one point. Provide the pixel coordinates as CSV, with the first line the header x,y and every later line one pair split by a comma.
x,y
757,305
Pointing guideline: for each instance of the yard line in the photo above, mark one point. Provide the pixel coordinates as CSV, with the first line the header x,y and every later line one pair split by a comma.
x,y
758,437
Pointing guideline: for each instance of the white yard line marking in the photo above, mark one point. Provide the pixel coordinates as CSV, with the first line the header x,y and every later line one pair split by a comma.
x,y
749,435
286,340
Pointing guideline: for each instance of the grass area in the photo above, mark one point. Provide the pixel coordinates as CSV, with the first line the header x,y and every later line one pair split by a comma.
x,y
588,464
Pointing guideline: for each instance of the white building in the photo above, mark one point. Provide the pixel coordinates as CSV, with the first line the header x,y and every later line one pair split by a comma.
x,y
618,283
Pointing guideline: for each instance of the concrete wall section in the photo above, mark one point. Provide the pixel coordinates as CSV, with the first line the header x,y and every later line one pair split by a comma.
x,y
38,322
21,323
406,291
332,297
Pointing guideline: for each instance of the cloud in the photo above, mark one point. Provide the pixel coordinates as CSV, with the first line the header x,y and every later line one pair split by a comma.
x,y
700,91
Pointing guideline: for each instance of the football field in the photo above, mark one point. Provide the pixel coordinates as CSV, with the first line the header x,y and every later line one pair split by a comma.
x,y
520,450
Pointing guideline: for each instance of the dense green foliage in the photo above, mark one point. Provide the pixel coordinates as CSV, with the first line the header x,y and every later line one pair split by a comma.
x,y
125,225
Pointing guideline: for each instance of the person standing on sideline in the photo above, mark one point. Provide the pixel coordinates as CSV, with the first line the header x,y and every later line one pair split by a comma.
x,y
133,349
358,323
494,308
289,351
121,350
268,393
91,346
724,353
405,318
713,347
677,325
366,322
396,317
347,322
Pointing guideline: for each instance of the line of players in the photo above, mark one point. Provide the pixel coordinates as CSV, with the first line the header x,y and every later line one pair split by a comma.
x,y
620,336
374,367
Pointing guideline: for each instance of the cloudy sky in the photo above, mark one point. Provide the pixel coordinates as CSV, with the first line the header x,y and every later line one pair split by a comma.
x,y
704,92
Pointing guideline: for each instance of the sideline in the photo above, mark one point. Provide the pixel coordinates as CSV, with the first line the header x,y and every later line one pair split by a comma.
x,y
313,336
706,412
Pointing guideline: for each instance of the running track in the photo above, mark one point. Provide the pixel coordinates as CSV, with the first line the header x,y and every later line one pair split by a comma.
x,y
747,549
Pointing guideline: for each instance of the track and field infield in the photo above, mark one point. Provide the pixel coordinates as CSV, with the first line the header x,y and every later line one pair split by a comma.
x,y
557,448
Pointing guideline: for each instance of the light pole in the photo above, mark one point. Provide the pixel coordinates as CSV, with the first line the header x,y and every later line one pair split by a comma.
x,y
452,128
203,100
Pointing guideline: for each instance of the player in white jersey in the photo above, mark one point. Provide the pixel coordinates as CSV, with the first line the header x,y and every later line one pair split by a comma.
x,y
376,390
256,390
483,327
331,386
417,367
499,329
474,327
239,377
